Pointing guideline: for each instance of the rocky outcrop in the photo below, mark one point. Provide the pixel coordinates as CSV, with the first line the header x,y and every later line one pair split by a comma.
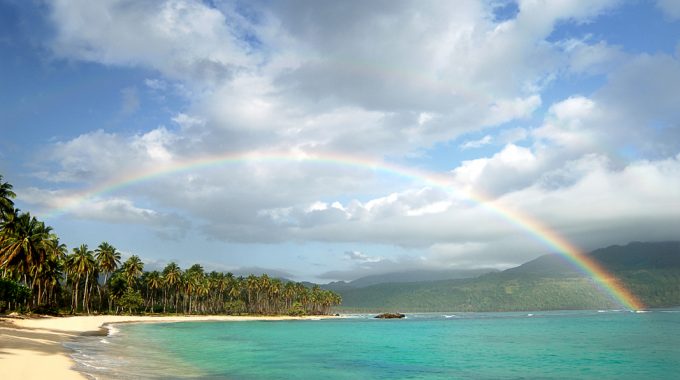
x,y
390,316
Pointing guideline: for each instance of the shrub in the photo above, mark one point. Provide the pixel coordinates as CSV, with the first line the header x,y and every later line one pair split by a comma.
x,y
131,300
46,310
12,292
297,310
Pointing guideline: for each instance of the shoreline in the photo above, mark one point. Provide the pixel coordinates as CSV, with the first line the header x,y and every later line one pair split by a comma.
x,y
33,348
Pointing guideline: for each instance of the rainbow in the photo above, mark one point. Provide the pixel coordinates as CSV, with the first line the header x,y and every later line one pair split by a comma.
x,y
550,238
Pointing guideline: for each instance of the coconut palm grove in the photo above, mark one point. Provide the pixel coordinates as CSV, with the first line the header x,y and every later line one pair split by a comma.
x,y
40,275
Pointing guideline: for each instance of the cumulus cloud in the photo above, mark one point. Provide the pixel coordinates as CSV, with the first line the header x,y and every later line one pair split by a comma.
x,y
592,58
562,198
634,110
512,167
640,104
377,81
361,257
98,156
513,135
637,202
318,76
105,209
182,39
156,84
506,110
569,124
477,143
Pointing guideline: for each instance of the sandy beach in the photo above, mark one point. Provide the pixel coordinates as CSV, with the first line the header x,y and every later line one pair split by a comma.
x,y
33,348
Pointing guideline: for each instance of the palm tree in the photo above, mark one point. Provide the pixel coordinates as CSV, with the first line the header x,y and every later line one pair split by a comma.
x,y
47,273
302,295
172,275
6,195
82,263
133,269
252,287
193,278
23,244
235,288
289,295
275,288
220,283
108,259
57,258
263,303
202,292
154,281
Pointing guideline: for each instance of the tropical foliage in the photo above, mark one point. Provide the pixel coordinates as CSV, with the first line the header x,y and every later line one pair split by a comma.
x,y
496,292
38,273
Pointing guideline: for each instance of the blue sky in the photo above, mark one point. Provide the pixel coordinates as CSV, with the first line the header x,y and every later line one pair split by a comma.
x,y
565,111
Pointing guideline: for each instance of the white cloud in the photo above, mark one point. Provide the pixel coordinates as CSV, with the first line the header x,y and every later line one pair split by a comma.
x,y
187,121
106,209
506,110
671,8
156,84
570,123
541,15
595,58
155,143
513,166
100,156
376,81
640,102
635,110
637,202
477,143
92,156
513,135
182,39
296,75
361,257
473,255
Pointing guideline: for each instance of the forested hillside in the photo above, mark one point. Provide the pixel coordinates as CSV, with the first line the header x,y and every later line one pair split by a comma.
x,y
650,270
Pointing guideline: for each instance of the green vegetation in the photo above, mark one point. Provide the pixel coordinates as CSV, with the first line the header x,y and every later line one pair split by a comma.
x,y
487,293
12,293
651,271
37,273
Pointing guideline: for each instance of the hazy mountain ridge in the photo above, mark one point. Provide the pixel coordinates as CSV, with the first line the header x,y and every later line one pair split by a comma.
x,y
649,270
635,255
420,275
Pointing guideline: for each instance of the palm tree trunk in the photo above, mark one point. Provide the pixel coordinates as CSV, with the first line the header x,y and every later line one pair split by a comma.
x,y
87,277
75,303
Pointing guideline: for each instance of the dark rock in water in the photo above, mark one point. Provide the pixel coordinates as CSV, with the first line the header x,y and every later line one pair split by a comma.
x,y
390,316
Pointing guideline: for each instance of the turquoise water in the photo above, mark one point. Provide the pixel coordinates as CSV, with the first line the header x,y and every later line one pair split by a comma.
x,y
559,345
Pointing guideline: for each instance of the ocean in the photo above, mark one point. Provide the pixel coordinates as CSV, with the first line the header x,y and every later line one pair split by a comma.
x,y
604,344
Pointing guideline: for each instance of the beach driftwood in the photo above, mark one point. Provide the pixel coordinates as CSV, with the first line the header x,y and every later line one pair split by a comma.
x,y
390,316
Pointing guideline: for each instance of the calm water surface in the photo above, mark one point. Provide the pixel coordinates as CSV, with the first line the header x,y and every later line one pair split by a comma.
x,y
550,345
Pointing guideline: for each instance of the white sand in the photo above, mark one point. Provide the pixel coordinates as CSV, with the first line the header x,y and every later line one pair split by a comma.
x,y
33,348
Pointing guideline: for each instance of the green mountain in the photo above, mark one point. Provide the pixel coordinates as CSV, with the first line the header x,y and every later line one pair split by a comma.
x,y
650,270
633,256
